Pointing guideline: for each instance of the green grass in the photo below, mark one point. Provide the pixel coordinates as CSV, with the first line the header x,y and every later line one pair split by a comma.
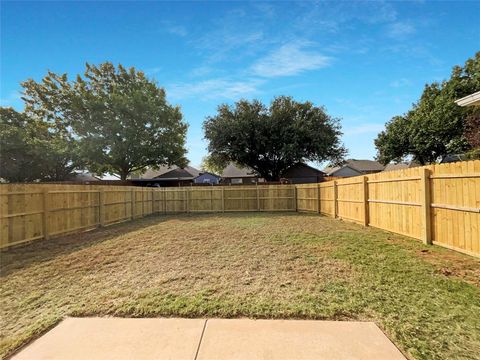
x,y
426,299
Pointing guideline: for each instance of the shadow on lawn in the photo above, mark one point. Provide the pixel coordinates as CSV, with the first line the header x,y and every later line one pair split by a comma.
x,y
39,251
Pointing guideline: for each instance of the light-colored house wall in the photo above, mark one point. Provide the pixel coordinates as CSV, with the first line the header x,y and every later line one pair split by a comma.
x,y
345,172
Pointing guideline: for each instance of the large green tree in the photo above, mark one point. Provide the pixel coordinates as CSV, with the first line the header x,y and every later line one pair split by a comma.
x,y
435,126
121,119
33,150
271,139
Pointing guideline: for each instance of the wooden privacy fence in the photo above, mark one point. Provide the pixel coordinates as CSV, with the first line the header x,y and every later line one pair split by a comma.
x,y
438,204
35,211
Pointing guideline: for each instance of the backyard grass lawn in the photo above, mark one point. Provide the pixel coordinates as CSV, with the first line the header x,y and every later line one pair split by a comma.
x,y
259,265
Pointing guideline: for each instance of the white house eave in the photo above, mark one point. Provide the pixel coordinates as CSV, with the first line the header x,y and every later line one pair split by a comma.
x,y
469,100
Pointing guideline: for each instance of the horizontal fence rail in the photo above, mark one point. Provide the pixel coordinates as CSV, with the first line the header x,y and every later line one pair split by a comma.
x,y
437,204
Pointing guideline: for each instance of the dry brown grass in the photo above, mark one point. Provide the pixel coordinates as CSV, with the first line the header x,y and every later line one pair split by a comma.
x,y
229,265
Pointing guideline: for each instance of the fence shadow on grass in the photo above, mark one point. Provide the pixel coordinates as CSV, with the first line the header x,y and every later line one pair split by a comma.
x,y
35,252
25,255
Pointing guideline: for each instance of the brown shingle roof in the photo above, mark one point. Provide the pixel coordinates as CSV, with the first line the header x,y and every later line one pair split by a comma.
x,y
365,165
233,171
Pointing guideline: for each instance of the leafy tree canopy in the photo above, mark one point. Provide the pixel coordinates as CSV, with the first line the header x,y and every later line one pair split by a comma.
x,y
270,140
33,150
121,120
210,165
435,126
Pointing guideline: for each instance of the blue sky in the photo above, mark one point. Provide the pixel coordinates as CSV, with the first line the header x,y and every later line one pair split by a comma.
x,y
364,61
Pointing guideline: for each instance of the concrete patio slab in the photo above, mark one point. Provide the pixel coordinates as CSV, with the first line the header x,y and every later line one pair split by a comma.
x,y
245,339
200,339
117,338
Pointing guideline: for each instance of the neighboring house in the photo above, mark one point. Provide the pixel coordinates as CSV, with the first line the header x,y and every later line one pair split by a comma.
x,y
353,167
166,176
297,174
453,158
233,174
303,174
207,178
469,100
84,177
399,166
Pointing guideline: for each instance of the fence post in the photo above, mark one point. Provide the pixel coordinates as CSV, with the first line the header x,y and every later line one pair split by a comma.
x,y
334,199
187,201
164,191
223,198
425,208
365,201
153,201
258,199
133,199
101,212
46,235
295,198
318,198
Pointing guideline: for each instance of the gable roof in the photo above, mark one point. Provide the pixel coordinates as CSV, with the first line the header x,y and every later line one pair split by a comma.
x,y
399,166
173,171
330,171
187,172
365,165
207,173
360,166
233,171
302,167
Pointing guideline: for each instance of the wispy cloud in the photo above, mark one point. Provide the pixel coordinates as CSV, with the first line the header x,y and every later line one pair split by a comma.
x,y
290,59
400,30
215,88
175,29
363,129
153,71
400,83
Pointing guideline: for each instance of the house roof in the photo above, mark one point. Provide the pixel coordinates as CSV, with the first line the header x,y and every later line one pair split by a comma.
x,y
303,165
469,100
399,166
185,173
84,176
357,165
233,171
168,172
205,173
365,165
333,169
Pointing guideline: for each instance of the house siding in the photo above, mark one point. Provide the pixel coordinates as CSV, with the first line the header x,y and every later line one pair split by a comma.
x,y
206,178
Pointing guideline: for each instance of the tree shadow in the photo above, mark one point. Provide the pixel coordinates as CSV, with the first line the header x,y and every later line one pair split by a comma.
x,y
23,256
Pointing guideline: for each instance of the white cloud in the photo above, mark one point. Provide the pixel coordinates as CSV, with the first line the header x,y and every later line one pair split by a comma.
x,y
400,83
215,88
153,71
363,129
290,59
173,28
400,30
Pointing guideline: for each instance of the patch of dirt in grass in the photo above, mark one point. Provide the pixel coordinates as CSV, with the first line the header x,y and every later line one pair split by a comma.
x,y
451,264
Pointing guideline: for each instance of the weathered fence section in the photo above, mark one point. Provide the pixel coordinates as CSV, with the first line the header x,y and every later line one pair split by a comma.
x,y
437,204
